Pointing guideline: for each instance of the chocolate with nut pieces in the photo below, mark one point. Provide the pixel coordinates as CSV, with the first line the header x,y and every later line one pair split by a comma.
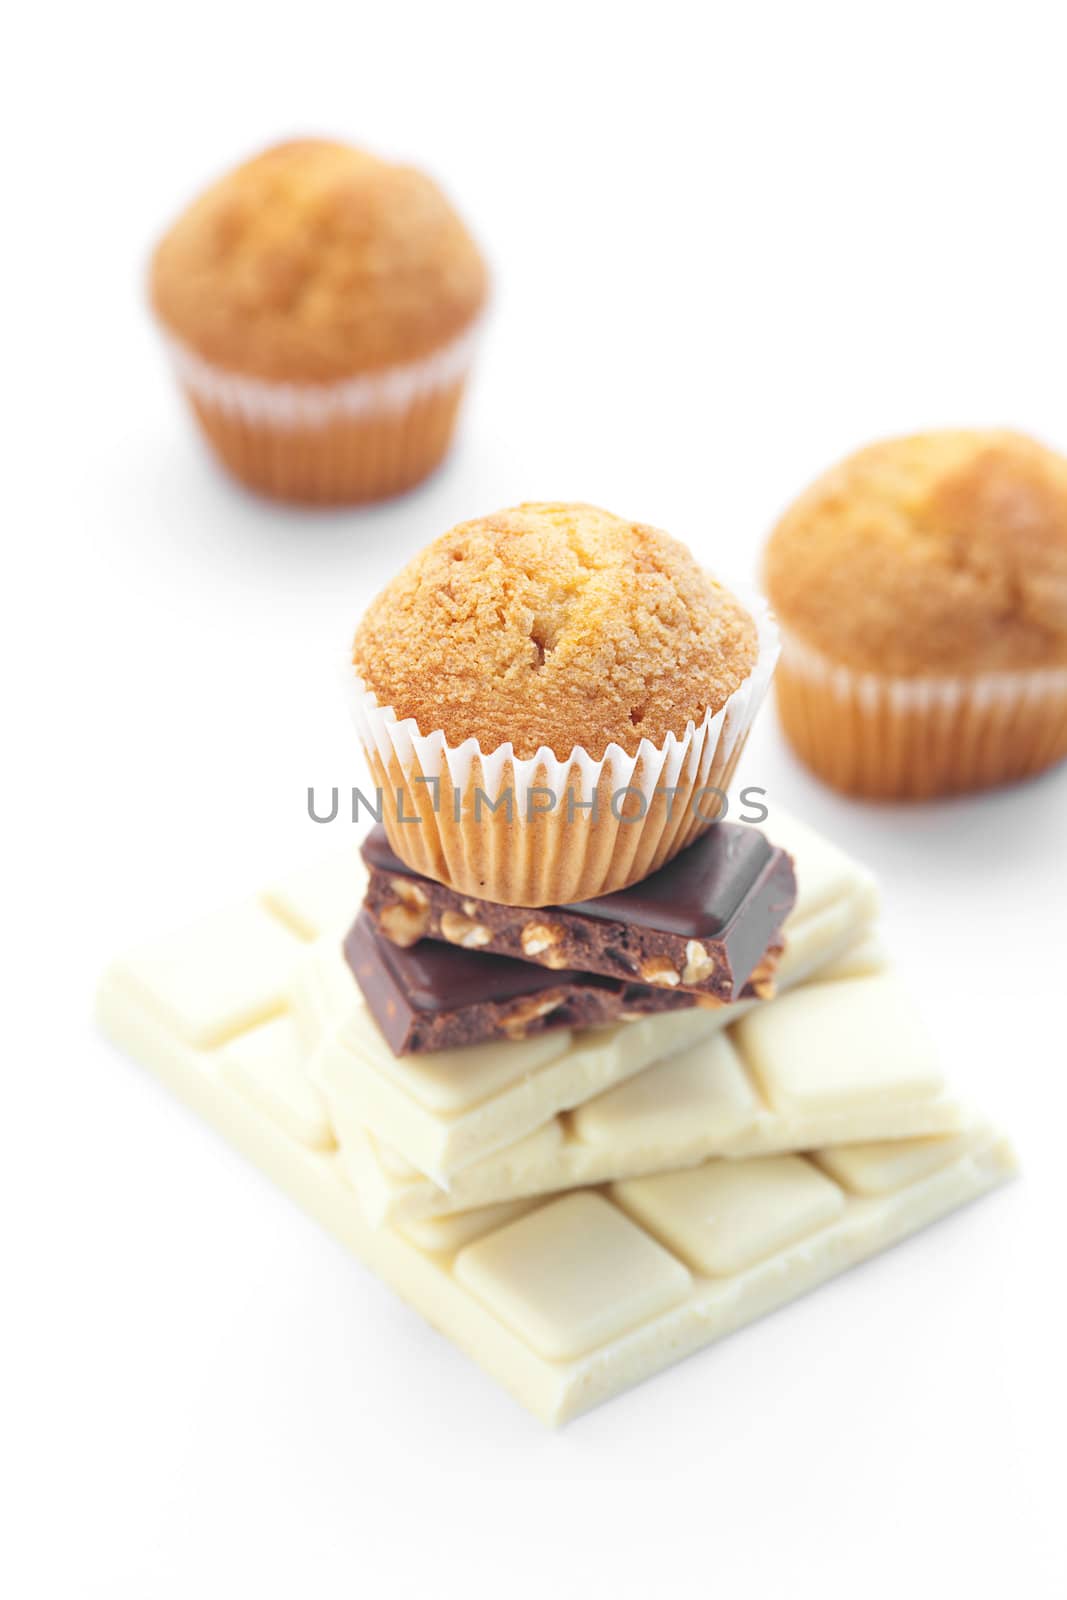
x,y
436,996
703,925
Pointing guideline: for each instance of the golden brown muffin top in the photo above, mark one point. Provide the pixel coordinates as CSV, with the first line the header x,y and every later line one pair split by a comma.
x,y
555,625
315,262
935,554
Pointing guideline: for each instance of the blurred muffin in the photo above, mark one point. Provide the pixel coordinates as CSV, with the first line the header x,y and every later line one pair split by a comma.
x,y
577,672
921,587
321,306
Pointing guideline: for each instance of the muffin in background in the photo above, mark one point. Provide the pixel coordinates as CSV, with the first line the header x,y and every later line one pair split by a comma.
x,y
321,307
921,589
582,665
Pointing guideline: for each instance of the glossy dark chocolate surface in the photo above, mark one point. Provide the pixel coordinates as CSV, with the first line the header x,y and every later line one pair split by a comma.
x,y
696,895
703,924
438,996
444,977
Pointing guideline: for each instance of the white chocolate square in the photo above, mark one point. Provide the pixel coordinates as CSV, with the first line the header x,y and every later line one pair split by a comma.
x,y
269,1065
888,1164
223,975
825,874
323,992
391,1190
836,898
727,1215
451,1081
861,960
828,1046
704,1086
571,1276
446,1235
322,900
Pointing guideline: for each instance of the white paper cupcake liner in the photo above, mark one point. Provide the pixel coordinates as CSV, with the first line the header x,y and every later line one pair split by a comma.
x,y
343,443
552,850
886,737
312,405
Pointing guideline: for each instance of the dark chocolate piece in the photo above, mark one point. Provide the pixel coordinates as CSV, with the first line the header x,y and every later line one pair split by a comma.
x,y
437,996
700,925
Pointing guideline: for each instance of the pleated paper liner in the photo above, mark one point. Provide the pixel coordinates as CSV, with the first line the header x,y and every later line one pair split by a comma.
x,y
889,738
330,444
575,827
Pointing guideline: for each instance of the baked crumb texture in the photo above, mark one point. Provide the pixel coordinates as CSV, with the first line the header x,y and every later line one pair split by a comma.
x,y
315,262
942,553
922,590
555,625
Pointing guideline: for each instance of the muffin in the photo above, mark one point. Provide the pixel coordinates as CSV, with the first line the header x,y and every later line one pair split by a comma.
x,y
321,307
552,701
921,588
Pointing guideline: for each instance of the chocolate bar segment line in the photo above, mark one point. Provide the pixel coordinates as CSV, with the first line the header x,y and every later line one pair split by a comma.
x,y
437,996
702,924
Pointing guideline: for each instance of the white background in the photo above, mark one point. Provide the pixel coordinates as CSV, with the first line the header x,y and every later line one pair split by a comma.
x,y
730,244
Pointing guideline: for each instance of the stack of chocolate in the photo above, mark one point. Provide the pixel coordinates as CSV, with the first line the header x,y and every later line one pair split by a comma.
x,y
586,1140
439,970
582,1141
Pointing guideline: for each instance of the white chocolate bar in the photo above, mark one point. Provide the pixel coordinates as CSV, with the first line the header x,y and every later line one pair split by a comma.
x,y
841,1062
569,1301
445,1111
